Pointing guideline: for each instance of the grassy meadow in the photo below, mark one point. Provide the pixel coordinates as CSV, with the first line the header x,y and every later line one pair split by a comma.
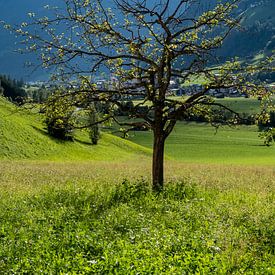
x,y
74,208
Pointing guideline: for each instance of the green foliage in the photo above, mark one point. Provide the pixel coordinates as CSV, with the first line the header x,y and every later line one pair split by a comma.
x,y
125,108
66,112
130,190
268,135
267,129
270,121
58,117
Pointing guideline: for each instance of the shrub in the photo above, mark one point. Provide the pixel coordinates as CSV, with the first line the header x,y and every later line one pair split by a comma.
x,y
59,114
263,126
268,135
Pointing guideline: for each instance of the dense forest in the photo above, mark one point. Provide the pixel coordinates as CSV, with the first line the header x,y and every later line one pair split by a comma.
x,y
12,89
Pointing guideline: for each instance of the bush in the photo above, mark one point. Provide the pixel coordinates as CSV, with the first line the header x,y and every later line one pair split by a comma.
x,y
267,129
59,128
125,108
263,126
127,191
59,112
268,135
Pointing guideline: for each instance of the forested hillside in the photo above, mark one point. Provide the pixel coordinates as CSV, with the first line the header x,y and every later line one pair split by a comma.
x,y
12,89
257,35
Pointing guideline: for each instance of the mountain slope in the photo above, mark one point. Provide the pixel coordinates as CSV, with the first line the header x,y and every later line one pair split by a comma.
x,y
22,137
258,30
15,12
257,35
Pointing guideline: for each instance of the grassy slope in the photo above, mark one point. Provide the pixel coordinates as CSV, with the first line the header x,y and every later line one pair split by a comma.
x,y
22,137
239,104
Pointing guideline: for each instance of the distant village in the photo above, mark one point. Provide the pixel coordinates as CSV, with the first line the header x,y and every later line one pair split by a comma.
x,y
175,88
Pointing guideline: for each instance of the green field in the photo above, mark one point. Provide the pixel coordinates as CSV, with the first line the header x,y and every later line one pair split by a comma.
x,y
241,105
244,106
74,208
201,143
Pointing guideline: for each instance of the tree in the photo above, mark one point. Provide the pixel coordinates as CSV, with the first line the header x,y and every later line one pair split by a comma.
x,y
59,117
144,45
93,125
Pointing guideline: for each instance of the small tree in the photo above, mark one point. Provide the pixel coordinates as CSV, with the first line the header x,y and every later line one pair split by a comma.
x,y
144,45
93,125
58,118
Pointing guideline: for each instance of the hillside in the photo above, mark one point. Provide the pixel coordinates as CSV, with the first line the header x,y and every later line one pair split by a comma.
x,y
257,34
22,137
15,12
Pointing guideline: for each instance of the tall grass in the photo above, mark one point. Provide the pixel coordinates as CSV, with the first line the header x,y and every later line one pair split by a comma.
x,y
83,218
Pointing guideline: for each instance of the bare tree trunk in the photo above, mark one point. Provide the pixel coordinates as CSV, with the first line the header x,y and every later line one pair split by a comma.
x,y
158,160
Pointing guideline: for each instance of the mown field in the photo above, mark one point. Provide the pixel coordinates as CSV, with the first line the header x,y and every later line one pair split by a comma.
x,y
201,143
78,209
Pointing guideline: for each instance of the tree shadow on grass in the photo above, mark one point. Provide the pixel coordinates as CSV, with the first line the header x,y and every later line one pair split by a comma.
x,y
261,145
45,133
83,142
